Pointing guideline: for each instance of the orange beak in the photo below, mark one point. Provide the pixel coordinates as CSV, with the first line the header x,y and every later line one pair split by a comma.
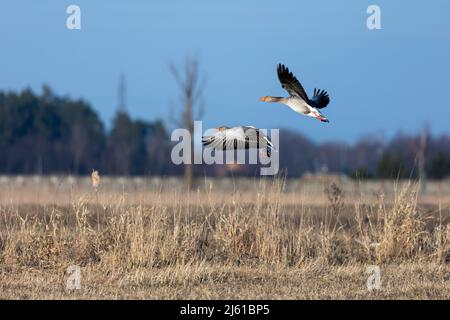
x,y
262,99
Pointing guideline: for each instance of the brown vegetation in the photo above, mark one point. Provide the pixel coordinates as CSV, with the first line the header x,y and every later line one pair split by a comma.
x,y
243,244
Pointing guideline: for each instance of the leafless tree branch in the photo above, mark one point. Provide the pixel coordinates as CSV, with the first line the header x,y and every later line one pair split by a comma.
x,y
191,87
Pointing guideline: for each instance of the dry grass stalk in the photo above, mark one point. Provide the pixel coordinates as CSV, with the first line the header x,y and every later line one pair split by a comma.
x,y
95,177
265,233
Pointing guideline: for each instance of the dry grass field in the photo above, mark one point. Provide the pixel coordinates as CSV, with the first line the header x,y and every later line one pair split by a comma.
x,y
270,239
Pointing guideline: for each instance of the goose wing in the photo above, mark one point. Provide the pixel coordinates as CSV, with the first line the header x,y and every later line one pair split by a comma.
x,y
320,99
256,138
244,137
229,139
290,83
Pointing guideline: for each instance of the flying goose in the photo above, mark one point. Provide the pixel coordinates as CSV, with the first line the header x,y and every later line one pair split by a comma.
x,y
298,99
241,137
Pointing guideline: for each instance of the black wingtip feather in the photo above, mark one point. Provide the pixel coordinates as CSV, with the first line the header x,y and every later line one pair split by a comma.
x,y
320,99
290,83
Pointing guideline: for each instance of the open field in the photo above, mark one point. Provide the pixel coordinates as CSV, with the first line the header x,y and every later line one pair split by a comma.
x,y
243,238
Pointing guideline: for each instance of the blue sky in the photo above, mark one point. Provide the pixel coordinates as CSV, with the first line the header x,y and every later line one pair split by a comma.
x,y
380,81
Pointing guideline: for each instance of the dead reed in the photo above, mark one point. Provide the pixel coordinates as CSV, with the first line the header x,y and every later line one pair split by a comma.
x,y
117,238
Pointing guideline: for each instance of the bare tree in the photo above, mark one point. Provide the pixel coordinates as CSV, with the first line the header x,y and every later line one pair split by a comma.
x,y
422,156
191,86
78,142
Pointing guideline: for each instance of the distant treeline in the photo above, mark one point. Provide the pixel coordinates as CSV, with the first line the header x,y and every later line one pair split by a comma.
x,y
47,134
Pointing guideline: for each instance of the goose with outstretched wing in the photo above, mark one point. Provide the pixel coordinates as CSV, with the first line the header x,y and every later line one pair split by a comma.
x,y
298,99
241,137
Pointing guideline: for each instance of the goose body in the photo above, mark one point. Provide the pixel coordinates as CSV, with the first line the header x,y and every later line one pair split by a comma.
x,y
298,105
298,99
240,137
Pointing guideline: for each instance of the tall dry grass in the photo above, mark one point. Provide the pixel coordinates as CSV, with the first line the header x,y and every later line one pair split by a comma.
x,y
117,237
